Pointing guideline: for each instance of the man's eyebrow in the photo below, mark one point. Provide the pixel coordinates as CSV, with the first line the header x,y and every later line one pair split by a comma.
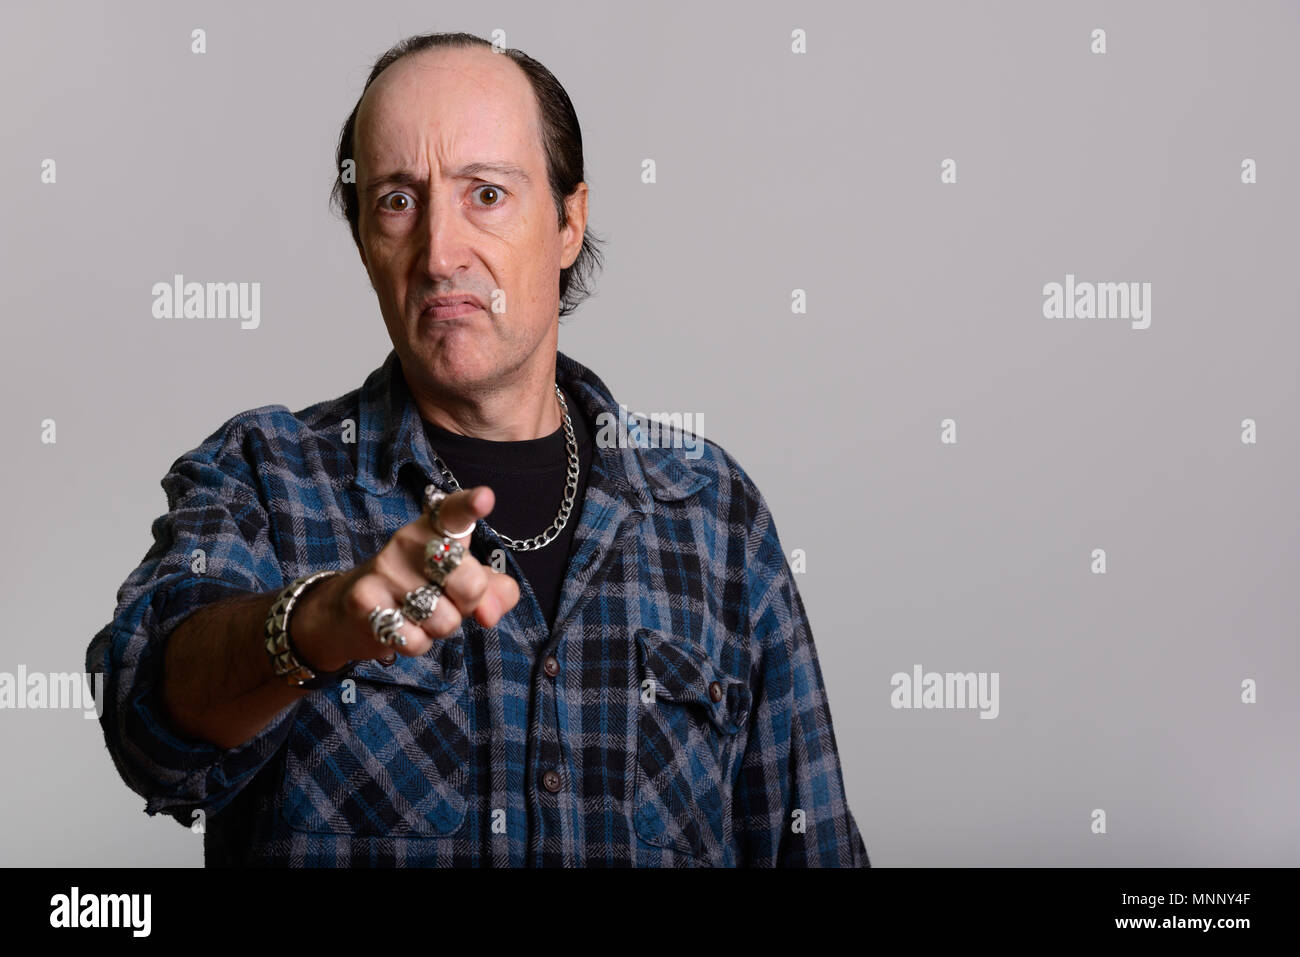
x,y
402,177
509,170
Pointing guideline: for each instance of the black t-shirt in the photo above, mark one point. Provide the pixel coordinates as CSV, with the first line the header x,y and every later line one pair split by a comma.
x,y
528,479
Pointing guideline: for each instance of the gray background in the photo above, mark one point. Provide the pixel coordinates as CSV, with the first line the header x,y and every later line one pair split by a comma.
x,y
776,172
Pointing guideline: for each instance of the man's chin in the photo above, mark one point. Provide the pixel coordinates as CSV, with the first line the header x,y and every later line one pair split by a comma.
x,y
444,355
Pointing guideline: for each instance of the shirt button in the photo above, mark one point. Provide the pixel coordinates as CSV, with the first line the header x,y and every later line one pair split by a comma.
x,y
715,691
551,666
551,781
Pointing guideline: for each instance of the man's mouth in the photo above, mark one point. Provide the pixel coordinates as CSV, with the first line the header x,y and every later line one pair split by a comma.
x,y
451,307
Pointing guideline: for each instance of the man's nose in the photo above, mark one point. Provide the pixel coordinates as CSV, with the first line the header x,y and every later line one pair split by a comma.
x,y
445,234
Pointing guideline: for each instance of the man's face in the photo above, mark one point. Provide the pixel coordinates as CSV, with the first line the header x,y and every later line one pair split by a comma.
x,y
432,225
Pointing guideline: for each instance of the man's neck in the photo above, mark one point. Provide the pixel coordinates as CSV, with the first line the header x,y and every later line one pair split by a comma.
x,y
510,414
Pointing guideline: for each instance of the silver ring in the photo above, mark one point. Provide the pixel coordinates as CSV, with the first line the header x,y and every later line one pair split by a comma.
x,y
441,557
433,499
420,602
387,624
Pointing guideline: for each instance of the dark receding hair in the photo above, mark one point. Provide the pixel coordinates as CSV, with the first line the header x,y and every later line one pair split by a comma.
x,y
561,141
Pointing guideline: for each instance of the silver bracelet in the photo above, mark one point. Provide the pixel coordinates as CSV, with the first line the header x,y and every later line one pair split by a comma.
x,y
284,661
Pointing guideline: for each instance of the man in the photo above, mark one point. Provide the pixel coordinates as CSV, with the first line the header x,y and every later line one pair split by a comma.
x,y
616,670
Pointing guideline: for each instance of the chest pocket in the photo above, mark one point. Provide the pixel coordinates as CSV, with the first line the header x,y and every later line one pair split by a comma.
x,y
688,717
392,762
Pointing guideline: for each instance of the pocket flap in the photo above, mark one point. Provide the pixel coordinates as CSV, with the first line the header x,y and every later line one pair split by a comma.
x,y
683,672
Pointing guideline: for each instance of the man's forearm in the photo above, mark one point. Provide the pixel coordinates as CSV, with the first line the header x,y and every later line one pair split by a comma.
x,y
218,684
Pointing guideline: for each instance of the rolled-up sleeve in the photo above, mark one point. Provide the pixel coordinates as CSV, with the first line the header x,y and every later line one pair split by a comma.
x,y
790,804
213,543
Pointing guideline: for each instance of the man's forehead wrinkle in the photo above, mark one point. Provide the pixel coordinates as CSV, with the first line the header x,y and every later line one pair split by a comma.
x,y
479,132
443,113
454,150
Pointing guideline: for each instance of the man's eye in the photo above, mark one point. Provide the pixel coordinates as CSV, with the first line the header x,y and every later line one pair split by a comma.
x,y
491,195
401,202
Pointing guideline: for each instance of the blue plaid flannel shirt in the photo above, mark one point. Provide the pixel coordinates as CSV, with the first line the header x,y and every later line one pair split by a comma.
x,y
687,723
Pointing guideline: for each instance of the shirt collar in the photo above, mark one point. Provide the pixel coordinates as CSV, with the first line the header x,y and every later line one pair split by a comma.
x,y
391,434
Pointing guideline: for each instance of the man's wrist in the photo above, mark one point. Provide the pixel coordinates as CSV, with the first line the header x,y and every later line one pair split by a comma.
x,y
309,633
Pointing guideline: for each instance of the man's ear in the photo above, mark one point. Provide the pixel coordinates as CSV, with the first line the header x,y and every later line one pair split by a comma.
x,y
575,206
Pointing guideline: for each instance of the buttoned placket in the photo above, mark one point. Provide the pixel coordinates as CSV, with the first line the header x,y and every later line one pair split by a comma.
x,y
528,652
544,775
513,647
554,818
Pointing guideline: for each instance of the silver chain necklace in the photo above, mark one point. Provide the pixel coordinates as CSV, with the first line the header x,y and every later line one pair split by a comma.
x,y
570,490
